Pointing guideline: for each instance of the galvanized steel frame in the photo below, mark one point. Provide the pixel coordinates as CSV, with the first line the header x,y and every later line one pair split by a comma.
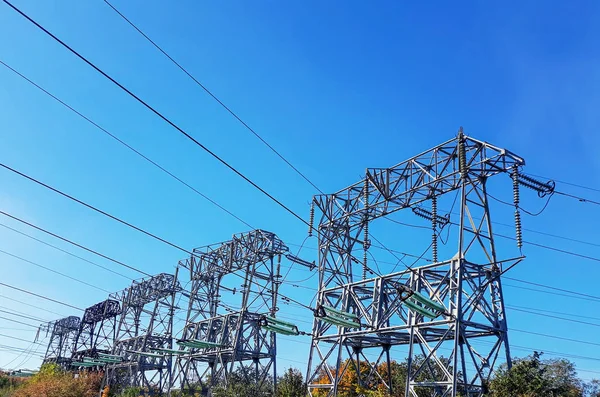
x,y
470,289
153,297
241,343
63,334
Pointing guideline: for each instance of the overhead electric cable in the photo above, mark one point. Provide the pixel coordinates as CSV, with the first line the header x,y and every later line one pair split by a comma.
x,y
54,271
23,340
564,182
73,243
558,317
126,144
18,322
554,288
64,251
30,305
40,296
581,199
154,236
156,112
14,312
212,95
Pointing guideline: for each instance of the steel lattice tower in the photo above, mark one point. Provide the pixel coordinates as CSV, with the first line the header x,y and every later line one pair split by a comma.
x,y
97,330
220,338
63,334
144,334
356,316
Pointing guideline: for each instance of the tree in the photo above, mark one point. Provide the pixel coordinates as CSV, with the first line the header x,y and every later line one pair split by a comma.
x,y
349,386
241,383
51,381
533,376
291,384
592,388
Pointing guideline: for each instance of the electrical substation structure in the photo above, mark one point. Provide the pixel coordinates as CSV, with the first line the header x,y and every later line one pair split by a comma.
x,y
141,353
63,334
96,334
221,340
449,308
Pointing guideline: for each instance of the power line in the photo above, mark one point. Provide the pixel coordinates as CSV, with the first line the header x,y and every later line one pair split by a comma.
x,y
73,243
21,314
23,340
564,182
554,288
592,258
558,317
40,296
126,144
27,304
555,337
555,312
64,251
53,271
113,218
581,199
549,292
154,236
228,109
157,113
16,321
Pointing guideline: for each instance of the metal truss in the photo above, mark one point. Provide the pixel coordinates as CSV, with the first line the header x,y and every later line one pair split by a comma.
x,y
221,338
144,333
369,316
97,330
63,334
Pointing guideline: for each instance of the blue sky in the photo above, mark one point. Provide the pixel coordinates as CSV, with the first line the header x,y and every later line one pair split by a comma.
x,y
336,87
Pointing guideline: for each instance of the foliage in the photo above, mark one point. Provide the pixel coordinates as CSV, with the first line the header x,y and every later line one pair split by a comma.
x,y
131,392
533,376
349,384
9,384
243,384
291,384
51,381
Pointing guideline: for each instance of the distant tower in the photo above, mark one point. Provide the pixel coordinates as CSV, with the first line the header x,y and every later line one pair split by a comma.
x,y
96,332
144,335
227,337
63,334
451,308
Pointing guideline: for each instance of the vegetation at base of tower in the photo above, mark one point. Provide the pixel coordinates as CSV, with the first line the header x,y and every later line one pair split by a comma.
x,y
531,376
51,381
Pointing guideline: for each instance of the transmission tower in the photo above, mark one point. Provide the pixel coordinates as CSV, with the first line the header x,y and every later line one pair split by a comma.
x,y
144,336
96,333
236,335
63,334
454,305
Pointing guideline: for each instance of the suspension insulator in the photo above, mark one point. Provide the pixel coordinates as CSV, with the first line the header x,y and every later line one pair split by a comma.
x,y
366,242
462,155
518,230
540,187
434,241
311,220
516,200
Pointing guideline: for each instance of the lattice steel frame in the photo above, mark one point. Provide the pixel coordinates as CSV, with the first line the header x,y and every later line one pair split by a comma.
x,y
63,334
153,297
255,257
470,289
97,329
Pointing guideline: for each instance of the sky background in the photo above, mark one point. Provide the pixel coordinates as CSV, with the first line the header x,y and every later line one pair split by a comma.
x,y
336,87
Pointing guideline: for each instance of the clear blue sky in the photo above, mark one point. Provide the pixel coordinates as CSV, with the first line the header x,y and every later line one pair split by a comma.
x,y
335,86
